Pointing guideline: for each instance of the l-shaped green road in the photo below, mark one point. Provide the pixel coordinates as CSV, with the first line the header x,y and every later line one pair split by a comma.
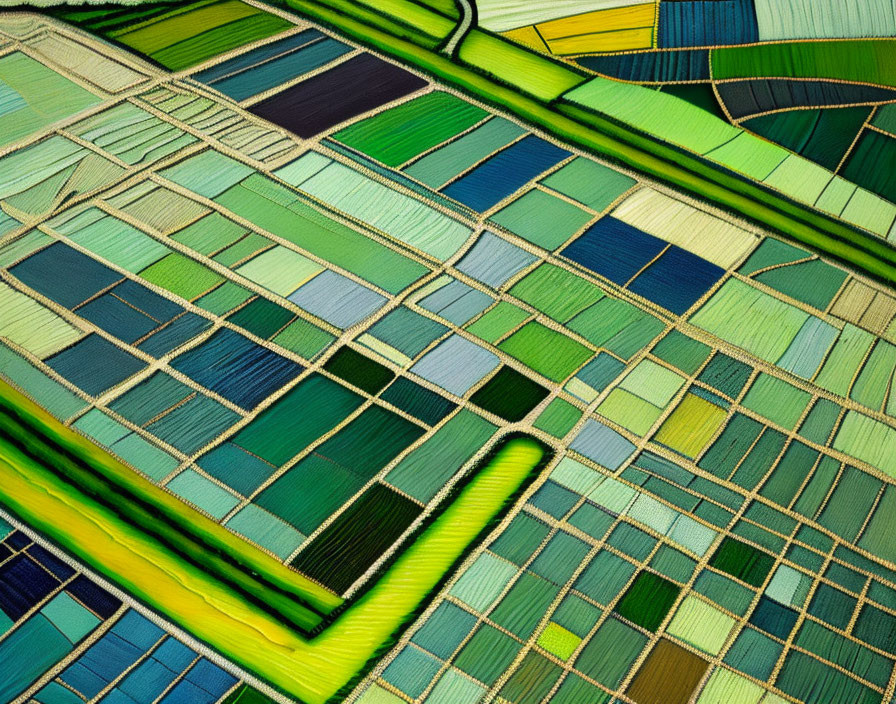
x,y
269,619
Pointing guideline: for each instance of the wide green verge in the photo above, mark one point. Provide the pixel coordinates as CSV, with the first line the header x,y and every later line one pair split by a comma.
x,y
27,429
50,479
530,86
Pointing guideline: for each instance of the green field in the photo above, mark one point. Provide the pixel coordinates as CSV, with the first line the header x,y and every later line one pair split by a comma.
x,y
849,60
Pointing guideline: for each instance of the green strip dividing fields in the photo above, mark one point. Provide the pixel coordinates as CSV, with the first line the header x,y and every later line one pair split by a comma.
x,y
28,431
862,60
51,478
529,85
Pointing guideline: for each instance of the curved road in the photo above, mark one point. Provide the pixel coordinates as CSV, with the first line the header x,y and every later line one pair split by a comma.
x,y
464,24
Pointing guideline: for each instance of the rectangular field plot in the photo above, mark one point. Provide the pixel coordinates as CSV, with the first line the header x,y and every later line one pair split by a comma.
x,y
268,66
353,87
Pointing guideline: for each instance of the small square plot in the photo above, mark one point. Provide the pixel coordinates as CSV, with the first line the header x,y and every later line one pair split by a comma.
x,y
456,365
653,683
337,299
49,272
542,218
647,601
487,655
577,615
610,653
509,394
673,564
411,671
613,249
690,427
444,630
832,606
681,351
774,619
701,625
725,375
408,332
605,577
558,641
483,581
632,541
603,445
754,654
493,261
554,500
561,557
589,519
558,418
456,302
676,280
742,561
520,539
238,369
524,604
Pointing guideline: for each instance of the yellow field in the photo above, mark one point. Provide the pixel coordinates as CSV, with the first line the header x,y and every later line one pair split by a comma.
x,y
615,29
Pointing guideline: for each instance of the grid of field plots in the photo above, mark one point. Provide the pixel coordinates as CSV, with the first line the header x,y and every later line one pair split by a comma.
x,y
66,640
305,289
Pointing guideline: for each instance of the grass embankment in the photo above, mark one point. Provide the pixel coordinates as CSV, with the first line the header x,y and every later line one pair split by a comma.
x,y
59,483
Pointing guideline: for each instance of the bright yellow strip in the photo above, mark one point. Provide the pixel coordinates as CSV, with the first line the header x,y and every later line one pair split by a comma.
x,y
527,36
603,42
106,468
343,648
143,568
617,18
